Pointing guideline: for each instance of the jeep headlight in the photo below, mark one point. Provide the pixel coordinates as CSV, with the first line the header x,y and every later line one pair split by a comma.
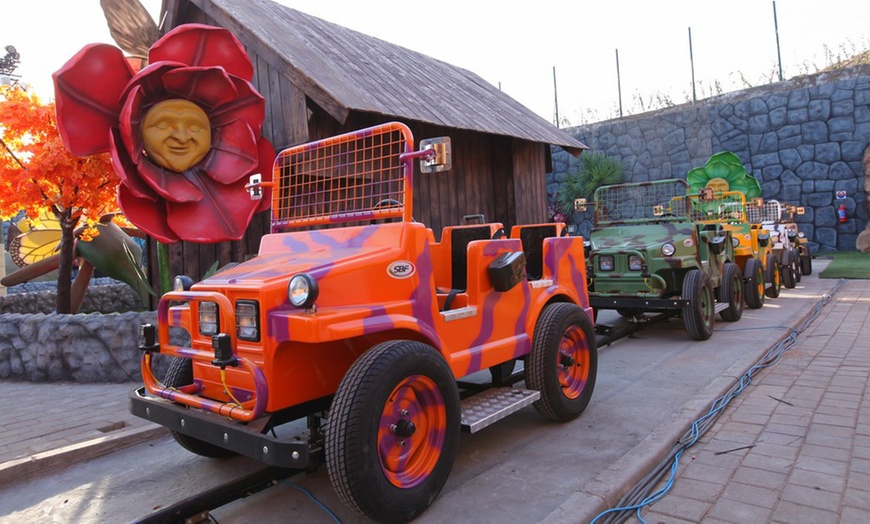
x,y
605,263
208,318
248,320
635,263
302,291
182,283
668,249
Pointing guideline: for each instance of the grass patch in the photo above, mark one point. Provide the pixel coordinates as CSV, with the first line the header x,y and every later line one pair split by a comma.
x,y
847,264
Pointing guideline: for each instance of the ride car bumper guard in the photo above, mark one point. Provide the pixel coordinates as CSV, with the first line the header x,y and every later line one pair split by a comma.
x,y
220,432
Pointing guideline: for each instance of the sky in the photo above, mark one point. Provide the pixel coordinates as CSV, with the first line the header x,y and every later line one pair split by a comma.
x,y
549,55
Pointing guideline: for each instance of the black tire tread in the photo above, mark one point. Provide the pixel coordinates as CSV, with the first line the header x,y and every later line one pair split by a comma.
x,y
345,432
541,372
752,272
731,288
695,283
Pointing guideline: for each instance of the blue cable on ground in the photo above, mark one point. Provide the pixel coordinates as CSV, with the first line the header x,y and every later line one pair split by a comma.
x,y
639,496
322,506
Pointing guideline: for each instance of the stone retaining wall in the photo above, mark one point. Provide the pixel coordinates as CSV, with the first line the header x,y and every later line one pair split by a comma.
x,y
803,139
81,348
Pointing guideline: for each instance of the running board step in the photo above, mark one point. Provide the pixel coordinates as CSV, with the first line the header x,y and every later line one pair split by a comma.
x,y
492,405
721,306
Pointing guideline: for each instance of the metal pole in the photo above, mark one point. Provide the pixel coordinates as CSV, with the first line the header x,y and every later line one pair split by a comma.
x,y
692,62
618,83
776,29
556,97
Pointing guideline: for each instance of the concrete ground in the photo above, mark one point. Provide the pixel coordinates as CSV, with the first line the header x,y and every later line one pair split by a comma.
x,y
793,446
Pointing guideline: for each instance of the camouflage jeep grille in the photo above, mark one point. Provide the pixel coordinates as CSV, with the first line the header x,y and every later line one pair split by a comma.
x,y
659,201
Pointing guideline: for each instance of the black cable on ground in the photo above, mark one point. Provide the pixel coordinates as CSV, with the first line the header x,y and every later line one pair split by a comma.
x,y
642,495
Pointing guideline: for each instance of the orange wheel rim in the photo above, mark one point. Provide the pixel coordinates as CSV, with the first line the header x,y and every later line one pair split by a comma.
x,y
411,431
573,364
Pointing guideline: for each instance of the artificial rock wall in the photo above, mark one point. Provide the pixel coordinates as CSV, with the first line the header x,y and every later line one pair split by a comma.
x,y
803,139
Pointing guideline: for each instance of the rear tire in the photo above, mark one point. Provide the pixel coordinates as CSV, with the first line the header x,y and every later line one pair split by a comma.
x,y
393,431
772,277
180,373
700,314
796,265
787,269
731,292
753,279
563,363
806,263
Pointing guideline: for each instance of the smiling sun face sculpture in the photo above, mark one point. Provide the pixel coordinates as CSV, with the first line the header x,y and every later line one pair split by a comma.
x,y
176,134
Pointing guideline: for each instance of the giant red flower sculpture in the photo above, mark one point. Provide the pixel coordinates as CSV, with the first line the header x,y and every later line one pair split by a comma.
x,y
184,132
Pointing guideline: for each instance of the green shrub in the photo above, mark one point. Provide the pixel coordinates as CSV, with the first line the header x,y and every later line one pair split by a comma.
x,y
593,171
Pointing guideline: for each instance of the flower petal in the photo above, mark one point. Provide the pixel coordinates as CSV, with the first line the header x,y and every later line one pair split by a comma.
x,y
150,80
224,213
248,105
233,155
125,168
147,216
86,107
130,124
209,87
203,45
174,187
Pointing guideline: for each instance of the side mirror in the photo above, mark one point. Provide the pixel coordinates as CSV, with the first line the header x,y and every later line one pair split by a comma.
x,y
717,245
441,160
580,204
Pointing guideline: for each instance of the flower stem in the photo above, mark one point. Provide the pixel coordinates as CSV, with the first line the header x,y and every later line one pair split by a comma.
x,y
163,268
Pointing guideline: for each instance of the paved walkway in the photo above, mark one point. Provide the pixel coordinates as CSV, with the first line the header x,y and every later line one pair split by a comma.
x,y
46,425
794,445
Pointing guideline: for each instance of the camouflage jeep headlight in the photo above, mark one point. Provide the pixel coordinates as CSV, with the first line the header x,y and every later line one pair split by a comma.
x,y
668,249
208,318
302,291
635,263
605,263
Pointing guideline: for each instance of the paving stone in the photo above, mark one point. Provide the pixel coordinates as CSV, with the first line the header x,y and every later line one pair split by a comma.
x,y
815,497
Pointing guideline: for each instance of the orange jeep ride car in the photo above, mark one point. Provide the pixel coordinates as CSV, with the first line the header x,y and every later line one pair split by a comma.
x,y
363,330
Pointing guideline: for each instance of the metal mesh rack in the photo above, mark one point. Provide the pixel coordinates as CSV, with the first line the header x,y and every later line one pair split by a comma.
x,y
724,207
769,211
662,200
352,177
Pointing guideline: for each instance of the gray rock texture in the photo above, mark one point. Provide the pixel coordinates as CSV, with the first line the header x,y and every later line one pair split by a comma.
x,y
803,139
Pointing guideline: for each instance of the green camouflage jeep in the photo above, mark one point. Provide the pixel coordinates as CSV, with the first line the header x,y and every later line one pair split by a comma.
x,y
647,254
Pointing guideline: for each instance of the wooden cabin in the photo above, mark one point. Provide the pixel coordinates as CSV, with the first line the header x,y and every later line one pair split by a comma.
x,y
320,79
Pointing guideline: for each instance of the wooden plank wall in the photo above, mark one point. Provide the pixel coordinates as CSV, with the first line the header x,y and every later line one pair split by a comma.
x,y
499,177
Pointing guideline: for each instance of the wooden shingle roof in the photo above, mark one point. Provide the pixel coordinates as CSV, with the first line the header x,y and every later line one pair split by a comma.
x,y
344,70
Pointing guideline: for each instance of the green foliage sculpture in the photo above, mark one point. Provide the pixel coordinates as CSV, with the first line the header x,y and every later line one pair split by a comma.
x,y
724,172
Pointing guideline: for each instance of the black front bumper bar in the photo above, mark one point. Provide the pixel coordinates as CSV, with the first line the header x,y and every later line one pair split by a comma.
x,y
220,432
645,304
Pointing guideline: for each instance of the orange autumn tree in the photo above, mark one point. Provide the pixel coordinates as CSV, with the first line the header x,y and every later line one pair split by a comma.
x,y
38,174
